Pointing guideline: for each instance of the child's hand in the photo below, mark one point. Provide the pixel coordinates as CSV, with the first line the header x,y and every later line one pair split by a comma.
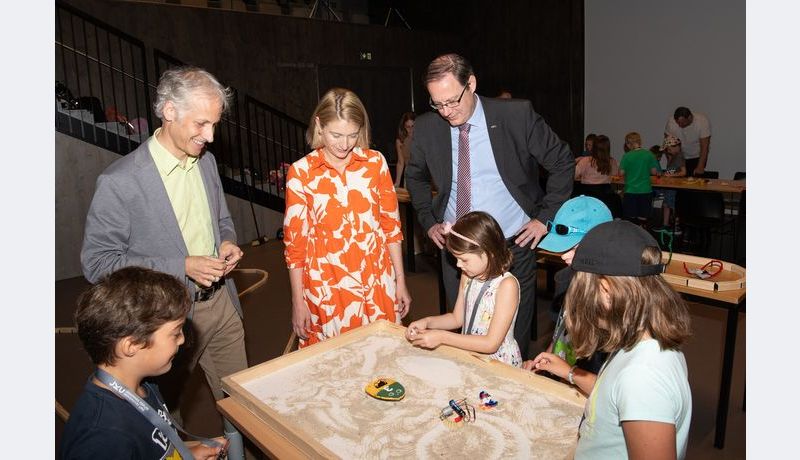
x,y
427,339
415,328
204,452
551,363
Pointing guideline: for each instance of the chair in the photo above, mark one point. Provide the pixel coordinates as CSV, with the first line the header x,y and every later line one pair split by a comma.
x,y
614,203
738,175
704,213
710,175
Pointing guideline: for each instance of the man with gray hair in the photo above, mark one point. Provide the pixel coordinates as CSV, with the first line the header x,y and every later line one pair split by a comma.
x,y
162,207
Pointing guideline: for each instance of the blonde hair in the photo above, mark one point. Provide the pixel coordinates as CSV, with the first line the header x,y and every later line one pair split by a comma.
x,y
634,138
637,305
339,104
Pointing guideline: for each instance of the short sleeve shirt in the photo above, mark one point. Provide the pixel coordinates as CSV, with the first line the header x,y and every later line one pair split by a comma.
x,y
690,136
645,383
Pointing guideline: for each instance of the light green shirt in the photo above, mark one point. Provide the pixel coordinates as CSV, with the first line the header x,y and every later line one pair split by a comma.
x,y
186,192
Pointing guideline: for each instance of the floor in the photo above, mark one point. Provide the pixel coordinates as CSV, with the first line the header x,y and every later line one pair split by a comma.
x,y
267,318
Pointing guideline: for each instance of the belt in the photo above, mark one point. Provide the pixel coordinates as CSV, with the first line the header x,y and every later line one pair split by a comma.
x,y
201,295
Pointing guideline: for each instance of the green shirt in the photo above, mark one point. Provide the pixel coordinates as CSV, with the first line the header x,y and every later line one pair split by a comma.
x,y
186,192
637,165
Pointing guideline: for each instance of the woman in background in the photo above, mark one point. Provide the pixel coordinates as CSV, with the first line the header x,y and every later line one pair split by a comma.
x,y
402,144
594,172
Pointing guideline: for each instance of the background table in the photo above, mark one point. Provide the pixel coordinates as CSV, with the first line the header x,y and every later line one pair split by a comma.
x,y
687,183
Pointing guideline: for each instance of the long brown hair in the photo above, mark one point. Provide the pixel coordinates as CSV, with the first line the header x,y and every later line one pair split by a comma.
x,y
402,132
637,305
481,227
601,155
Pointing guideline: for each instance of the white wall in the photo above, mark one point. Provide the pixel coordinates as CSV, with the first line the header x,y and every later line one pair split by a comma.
x,y
644,58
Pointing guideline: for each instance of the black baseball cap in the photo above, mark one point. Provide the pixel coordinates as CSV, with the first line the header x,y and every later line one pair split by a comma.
x,y
615,248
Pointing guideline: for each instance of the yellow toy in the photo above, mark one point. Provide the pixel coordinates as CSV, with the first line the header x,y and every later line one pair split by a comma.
x,y
385,389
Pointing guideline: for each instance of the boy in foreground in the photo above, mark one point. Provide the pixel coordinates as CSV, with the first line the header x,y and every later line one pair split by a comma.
x,y
131,324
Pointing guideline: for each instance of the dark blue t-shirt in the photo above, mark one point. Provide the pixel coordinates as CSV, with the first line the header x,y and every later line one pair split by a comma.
x,y
102,425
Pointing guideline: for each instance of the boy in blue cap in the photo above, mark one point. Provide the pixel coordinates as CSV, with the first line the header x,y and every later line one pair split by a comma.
x,y
572,221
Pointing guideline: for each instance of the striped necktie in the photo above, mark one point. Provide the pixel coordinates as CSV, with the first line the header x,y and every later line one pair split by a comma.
x,y
463,181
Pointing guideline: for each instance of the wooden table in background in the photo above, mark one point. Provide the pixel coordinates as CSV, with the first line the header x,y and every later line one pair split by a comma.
x,y
692,183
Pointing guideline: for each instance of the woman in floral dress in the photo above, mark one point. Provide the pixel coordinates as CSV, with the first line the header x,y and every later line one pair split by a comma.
x,y
342,227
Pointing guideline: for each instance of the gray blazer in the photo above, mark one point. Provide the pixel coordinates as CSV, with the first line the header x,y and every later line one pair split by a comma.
x,y
131,221
521,141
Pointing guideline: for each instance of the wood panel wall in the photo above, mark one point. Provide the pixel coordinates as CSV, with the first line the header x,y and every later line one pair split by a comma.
x,y
534,48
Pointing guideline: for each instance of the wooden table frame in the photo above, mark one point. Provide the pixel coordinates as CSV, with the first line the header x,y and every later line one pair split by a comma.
x,y
287,441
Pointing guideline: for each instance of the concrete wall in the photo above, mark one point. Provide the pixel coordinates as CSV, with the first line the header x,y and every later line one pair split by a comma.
x,y
644,59
77,165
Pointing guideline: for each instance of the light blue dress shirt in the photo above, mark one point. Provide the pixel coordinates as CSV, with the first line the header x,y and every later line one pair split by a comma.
x,y
489,193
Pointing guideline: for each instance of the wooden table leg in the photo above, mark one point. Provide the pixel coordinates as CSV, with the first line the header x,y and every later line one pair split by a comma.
x,y
727,372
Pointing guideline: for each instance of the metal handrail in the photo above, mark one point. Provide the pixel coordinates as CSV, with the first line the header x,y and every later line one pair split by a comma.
x,y
252,146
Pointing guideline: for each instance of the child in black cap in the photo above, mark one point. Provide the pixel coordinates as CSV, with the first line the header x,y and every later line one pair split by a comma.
x,y
639,403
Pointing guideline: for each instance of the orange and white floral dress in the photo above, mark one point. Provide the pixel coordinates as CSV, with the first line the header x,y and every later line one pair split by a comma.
x,y
337,228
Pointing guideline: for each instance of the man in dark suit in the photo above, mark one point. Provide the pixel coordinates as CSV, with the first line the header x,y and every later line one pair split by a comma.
x,y
494,148
162,207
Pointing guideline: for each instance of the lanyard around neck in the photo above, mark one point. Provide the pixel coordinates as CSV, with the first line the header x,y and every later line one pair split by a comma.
x,y
150,414
468,329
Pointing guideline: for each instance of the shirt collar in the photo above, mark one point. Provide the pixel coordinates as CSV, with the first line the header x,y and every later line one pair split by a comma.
x,y
317,159
478,119
165,161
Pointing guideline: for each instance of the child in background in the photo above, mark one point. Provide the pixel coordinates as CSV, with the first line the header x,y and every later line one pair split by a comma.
x,y
640,403
488,295
594,172
657,154
676,167
637,165
588,145
572,221
131,324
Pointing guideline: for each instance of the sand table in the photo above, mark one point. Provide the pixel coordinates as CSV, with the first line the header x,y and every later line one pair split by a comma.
x,y
324,397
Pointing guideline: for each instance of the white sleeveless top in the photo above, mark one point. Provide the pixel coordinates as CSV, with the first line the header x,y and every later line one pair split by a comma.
x,y
509,350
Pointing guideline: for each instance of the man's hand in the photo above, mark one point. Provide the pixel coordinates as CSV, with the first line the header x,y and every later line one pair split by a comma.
x,y
699,170
231,254
205,270
436,233
533,231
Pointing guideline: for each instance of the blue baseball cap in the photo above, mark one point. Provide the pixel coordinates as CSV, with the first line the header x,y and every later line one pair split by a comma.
x,y
572,221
